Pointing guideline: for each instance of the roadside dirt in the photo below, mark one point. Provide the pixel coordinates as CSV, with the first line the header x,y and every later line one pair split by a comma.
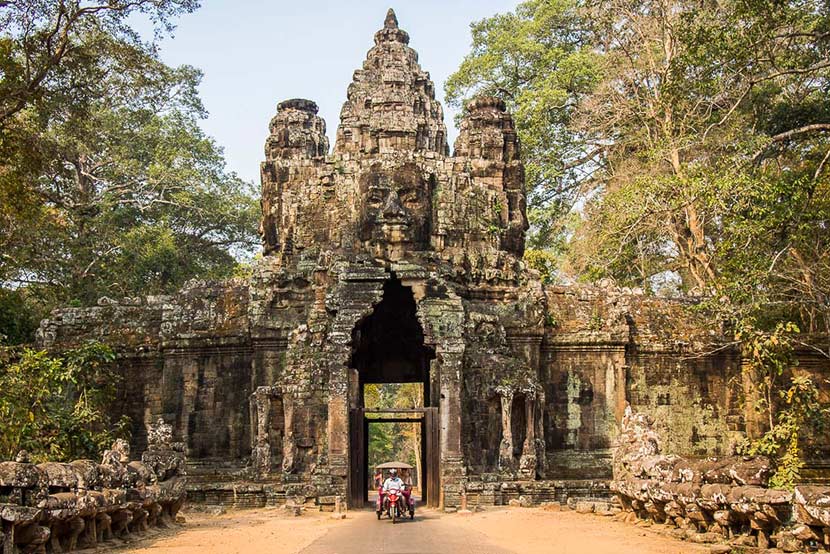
x,y
495,531
536,531
270,531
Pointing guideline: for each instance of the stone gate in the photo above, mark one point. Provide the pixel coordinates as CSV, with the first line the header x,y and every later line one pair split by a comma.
x,y
389,259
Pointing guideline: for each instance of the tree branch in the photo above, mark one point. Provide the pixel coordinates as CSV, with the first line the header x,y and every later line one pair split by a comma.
x,y
787,135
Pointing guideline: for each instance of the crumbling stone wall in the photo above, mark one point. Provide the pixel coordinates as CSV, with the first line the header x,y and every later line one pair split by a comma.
x,y
609,347
63,506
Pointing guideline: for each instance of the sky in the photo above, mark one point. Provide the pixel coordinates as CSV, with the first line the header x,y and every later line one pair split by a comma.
x,y
255,54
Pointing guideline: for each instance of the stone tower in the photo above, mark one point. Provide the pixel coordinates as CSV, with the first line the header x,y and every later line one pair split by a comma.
x,y
390,188
390,240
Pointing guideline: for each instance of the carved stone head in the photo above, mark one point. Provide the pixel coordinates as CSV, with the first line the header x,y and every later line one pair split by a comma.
x,y
118,454
160,434
396,210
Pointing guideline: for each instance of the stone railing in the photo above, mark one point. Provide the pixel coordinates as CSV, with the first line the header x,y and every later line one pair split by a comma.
x,y
64,506
715,500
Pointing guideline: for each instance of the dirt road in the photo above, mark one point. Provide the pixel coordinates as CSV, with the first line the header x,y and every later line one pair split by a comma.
x,y
429,532
497,531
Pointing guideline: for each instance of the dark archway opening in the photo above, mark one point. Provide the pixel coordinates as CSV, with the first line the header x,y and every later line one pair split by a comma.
x,y
388,345
518,424
388,348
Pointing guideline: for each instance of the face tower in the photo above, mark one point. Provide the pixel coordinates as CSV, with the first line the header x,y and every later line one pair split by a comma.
x,y
390,189
411,253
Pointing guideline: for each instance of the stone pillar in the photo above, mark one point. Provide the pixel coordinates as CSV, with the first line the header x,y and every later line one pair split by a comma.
x,y
453,469
527,463
450,404
261,455
442,320
753,419
541,445
621,394
289,445
506,444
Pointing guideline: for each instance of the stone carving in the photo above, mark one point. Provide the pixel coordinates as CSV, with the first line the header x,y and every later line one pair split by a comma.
x,y
160,435
261,455
506,445
398,211
714,499
64,506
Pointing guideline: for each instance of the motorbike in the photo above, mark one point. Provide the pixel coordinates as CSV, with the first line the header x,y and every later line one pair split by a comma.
x,y
394,502
395,506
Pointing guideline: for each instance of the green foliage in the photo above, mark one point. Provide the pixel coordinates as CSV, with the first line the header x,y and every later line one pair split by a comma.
x,y
57,407
595,323
543,261
799,412
383,443
789,402
550,320
107,184
394,441
19,317
690,140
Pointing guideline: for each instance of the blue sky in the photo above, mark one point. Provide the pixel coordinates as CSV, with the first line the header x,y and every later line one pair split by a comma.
x,y
256,53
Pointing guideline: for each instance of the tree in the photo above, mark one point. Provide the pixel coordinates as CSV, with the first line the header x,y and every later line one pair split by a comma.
x,y
57,407
53,50
133,202
676,101
107,184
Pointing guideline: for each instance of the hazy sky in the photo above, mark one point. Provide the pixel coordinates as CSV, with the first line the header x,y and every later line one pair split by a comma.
x,y
255,54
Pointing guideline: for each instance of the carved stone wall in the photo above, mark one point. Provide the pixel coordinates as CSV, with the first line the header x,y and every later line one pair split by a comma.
x,y
63,506
724,499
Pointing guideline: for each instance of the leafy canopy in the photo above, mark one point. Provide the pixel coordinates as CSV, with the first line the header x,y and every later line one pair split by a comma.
x,y
107,184
57,407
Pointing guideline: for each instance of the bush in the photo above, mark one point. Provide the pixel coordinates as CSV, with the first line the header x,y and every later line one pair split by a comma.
x,y
57,407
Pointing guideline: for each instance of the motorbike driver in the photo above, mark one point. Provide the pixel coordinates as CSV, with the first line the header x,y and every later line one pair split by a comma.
x,y
393,482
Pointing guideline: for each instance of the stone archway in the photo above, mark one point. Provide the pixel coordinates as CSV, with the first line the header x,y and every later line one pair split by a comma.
x,y
388,344
440,313
388,347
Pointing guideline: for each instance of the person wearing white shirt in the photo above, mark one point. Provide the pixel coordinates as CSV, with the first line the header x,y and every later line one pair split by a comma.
x,y
393,483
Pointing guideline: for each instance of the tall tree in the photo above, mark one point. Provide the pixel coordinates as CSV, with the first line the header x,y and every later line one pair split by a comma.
x,y
107,184
687,114
52,49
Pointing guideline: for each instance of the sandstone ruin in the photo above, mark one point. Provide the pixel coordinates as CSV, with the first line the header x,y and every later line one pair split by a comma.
x,y
715,500
62,506
389,259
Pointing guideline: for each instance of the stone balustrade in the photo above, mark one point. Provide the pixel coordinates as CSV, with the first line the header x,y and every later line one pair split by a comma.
x,y
58,507
715,500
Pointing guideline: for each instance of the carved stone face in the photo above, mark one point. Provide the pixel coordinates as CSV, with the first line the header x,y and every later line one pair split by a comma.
x,y
397,209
